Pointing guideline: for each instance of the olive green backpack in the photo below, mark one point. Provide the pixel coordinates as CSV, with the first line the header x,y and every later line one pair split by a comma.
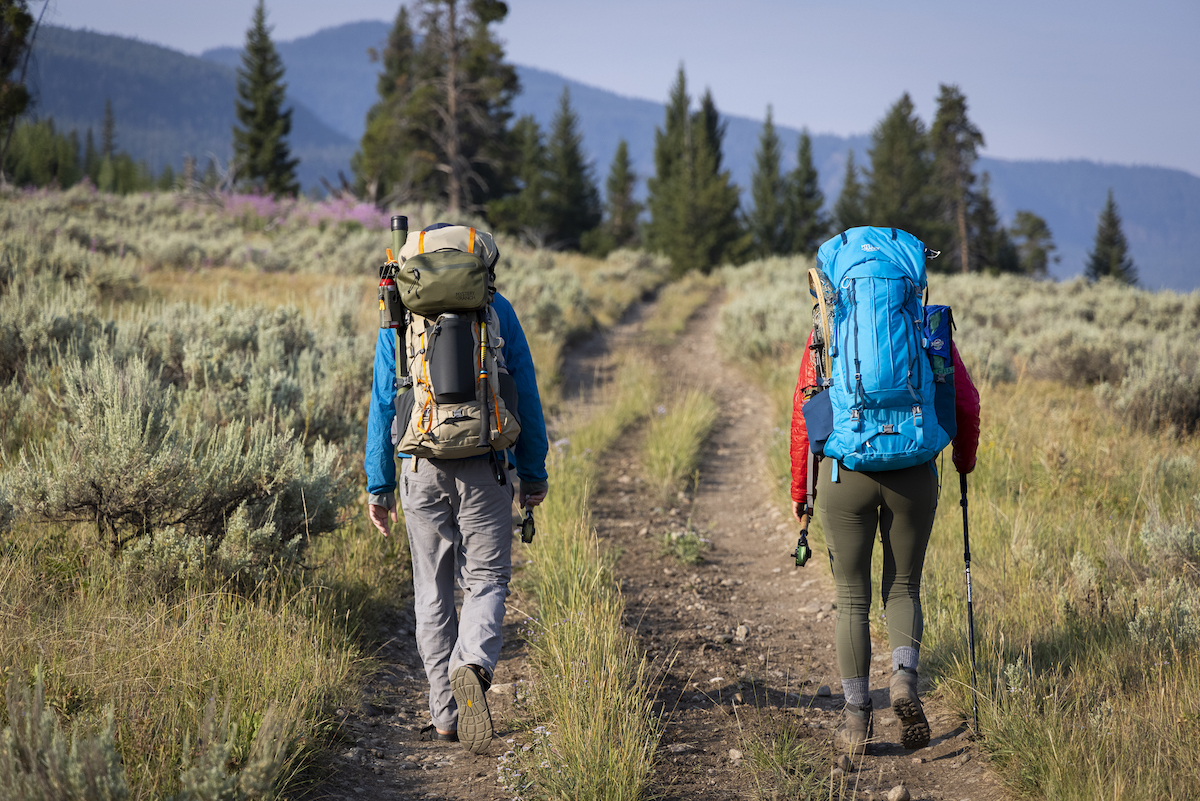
x,y
455,397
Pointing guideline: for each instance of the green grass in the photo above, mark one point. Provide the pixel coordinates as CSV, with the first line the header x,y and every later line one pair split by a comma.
x,y
677,303
102,639
674,439
786,764
685,545
598,735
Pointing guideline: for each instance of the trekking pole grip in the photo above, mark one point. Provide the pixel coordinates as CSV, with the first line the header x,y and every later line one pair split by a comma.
x,y
962,486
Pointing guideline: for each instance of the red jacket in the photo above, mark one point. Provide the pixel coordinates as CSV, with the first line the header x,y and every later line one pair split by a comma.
x,y
966,407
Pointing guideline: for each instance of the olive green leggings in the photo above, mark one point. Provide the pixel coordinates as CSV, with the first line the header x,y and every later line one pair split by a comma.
x,y
900,505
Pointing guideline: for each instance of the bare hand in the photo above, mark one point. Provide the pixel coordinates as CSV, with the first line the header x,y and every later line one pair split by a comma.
x,y
530,501
802,518
379,516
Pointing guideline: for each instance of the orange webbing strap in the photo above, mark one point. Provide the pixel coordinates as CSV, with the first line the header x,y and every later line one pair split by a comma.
x,y
421,243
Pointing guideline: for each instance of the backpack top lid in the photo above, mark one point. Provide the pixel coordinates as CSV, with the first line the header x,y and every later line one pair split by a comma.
x,y
444,236
868,250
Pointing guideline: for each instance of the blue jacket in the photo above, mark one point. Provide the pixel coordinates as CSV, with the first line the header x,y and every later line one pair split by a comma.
x,y
529,453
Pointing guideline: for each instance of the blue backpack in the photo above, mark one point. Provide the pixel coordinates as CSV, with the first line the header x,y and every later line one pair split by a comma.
x,y
884,359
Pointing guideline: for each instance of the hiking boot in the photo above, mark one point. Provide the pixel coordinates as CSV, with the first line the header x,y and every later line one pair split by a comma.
x,y
856,729
469,684
430,734
914,728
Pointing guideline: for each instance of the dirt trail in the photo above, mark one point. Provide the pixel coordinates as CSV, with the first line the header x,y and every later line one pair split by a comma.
x,y
744,640
742,643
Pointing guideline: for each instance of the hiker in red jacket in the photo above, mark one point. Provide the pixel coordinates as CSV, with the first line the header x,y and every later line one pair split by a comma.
x,y
899,505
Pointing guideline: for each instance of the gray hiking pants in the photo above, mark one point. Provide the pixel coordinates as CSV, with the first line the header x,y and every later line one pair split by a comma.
x,y
459,523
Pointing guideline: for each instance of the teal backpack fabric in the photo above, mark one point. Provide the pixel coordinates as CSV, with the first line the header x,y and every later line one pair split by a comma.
x,y
879,411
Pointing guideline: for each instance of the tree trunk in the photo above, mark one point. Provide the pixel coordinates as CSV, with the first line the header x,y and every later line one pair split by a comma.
x,y
454,184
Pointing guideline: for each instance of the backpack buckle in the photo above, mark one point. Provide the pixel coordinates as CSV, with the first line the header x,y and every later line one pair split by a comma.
x,y
888,428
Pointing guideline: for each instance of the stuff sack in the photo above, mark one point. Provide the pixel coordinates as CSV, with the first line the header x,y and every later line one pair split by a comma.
x,y
878,411
455,398
939,334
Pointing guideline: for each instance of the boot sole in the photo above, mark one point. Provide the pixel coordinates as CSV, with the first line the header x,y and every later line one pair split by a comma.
x,y
474,717
914,727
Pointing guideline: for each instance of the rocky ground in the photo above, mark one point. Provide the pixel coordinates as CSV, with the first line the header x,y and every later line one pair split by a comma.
x,y
741,643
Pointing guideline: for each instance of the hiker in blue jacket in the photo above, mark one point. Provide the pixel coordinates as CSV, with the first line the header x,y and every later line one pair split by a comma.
x,y
458,516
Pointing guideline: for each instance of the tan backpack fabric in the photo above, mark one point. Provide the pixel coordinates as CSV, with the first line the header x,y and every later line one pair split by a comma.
x,y
455,398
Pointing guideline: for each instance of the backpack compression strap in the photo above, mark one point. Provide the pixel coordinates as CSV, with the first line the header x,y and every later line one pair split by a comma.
x,y
818,292
470,241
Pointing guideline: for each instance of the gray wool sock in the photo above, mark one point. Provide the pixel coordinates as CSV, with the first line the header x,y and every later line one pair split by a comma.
x,y
905,657
857,691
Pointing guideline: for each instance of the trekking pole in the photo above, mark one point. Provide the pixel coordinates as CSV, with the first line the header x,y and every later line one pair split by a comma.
x,y
962,483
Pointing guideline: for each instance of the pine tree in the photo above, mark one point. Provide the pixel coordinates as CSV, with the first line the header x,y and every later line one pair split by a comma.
x,y
16,23
621,210
523,212
463,102
394,156
693,203
899,195
709,120
670,144
260,147
573,202
807,226
108,132
1109,256
41,156
1034,243
166,179
955,141
850,210
991,249
767,226
91,159
714,230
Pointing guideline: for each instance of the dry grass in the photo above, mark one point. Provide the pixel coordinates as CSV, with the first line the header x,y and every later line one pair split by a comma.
x,y
597,736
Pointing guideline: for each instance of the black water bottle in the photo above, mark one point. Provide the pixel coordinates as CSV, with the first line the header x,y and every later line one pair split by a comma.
x,y
451,355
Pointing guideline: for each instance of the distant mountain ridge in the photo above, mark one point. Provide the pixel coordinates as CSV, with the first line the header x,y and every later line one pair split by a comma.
x,y
167,104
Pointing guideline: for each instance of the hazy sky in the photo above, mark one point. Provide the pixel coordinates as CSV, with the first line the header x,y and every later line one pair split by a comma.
x,y
1108,80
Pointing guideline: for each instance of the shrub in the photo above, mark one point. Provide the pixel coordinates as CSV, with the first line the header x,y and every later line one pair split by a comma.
x,y
1163,392
127,462
1168,617
217,773
39,762
1171,540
